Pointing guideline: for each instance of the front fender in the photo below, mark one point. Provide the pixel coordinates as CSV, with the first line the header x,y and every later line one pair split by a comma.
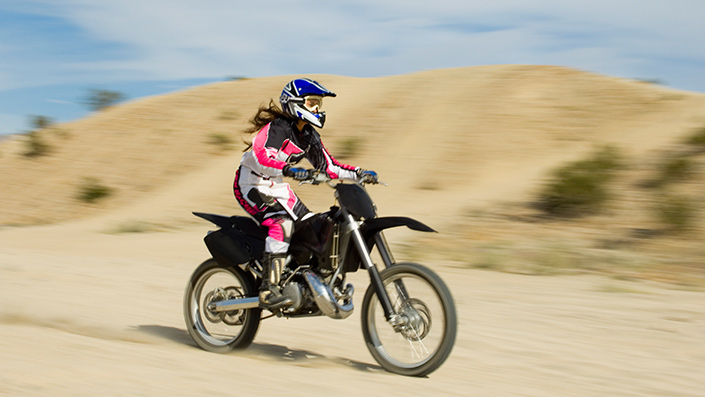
x,y
375,225
369,230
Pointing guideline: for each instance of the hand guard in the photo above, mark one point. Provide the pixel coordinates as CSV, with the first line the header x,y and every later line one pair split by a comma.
x,y
367,176
300,174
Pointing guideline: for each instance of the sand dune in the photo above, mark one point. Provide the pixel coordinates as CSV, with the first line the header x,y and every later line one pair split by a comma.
x,y
484,132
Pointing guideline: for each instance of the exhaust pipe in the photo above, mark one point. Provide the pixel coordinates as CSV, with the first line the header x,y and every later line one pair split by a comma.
x,y
325,299
234,304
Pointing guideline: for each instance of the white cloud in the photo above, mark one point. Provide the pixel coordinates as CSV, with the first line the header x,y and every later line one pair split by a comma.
x,y
60,101
160,39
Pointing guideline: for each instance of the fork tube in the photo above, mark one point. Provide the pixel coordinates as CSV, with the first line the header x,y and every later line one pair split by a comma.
x,y
375,279
383,249
388,259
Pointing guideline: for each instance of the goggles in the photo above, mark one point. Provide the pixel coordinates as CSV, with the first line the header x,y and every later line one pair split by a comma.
x,y
313,102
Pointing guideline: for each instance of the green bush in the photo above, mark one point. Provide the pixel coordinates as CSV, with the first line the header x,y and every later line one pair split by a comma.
x,y
581,187
697,139
132,227
228,115
90,190
675,169
677,213
349,147
36,145
222,141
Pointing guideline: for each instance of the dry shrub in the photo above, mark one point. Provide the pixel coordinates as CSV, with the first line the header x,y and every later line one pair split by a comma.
x,y
91,190
581,187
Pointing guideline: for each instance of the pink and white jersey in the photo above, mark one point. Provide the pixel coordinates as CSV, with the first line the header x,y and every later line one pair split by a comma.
x,y
278,144
259,184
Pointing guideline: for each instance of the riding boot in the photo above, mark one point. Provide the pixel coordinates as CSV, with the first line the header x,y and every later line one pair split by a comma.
x,y
270,295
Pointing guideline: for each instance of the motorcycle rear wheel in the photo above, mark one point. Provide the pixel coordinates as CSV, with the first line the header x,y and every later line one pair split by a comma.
x,y
225,331
425,339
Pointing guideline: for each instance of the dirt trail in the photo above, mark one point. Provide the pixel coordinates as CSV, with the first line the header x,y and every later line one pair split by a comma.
x,y
102,316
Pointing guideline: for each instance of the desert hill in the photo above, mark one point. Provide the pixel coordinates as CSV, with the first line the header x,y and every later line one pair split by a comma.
x,y
456,137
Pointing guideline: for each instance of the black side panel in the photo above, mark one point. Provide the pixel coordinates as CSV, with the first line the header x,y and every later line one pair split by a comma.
x,y
314,233
313,236
239,240
225,250
233,247
249,227
352,259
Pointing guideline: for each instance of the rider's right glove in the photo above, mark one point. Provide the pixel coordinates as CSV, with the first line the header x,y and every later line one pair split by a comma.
x,y
367,176
300,174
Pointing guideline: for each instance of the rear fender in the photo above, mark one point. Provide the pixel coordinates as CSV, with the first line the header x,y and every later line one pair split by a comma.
x,y
218,220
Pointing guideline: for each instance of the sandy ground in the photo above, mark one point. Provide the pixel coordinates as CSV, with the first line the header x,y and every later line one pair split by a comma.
x,y
88,313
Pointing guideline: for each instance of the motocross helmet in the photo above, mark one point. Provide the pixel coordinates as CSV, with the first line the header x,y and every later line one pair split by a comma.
x,y
303,98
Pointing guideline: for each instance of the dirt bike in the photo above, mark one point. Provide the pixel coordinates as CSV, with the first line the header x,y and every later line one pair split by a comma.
x,y
409,319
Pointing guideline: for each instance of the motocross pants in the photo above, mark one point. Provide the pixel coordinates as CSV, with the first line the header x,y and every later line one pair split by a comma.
x,y
273,204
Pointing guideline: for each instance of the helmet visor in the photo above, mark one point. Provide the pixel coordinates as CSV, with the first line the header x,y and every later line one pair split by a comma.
x,y
313,103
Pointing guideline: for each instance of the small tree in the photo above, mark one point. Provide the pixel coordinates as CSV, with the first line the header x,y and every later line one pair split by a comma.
x,y
40,122
98,99
35,142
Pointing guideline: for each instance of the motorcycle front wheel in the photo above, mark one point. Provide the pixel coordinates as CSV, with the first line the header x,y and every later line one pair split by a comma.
x,y
220,332
426,321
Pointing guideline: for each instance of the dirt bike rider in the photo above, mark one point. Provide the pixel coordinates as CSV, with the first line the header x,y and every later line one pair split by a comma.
x,y
283,138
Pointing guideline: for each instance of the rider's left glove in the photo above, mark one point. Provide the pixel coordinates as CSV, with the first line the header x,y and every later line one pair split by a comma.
x,y
367,176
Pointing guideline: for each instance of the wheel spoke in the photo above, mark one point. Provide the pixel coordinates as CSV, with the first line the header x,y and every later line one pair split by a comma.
x,y
219,331
403,292
213,286
421,334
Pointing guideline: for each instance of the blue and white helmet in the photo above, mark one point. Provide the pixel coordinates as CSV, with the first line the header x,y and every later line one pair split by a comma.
x,y
303,98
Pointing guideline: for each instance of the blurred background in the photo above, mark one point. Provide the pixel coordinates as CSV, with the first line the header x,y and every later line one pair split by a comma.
x,y
80,80
555,138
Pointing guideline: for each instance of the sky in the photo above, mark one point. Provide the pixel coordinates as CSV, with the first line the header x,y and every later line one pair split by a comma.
x,y
53,52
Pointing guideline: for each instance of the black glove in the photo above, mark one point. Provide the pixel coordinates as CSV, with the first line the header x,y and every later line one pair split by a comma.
x,y
300,174
367,176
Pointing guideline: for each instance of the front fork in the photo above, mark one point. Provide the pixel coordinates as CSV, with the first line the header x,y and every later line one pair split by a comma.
x,y
384,251
367,262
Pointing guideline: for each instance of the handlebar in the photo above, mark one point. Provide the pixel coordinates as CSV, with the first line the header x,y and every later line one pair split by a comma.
x,y
318,177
